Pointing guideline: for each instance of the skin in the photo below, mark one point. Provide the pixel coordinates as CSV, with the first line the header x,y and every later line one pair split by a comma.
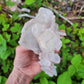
x,y
26,66
27,61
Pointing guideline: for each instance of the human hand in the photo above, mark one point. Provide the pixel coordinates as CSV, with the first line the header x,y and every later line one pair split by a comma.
x,y
26,66
27,62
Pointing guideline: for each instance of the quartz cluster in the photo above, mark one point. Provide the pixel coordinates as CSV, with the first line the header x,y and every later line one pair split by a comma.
x,y
42,35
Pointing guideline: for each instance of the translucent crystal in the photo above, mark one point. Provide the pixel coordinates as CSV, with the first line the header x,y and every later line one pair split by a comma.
x,y
42,35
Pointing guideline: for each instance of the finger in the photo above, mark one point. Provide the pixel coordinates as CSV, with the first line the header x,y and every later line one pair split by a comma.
x,y
20,50
35,57
23,58
56,51
62,33
33,69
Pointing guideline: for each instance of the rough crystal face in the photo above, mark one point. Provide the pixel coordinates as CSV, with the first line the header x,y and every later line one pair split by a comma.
x,y
42,35
27,39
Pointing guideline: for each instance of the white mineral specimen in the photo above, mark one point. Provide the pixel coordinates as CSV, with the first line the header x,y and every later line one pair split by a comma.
x,y
42,35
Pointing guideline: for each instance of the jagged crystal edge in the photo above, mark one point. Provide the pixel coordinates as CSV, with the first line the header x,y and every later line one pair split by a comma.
x,y
42,35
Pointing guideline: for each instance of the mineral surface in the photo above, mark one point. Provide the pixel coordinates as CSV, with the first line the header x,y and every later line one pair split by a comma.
x,y
42,35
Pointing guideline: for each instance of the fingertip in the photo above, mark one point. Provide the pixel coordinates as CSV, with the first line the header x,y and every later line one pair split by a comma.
x,y
17,47
57,51
61,31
